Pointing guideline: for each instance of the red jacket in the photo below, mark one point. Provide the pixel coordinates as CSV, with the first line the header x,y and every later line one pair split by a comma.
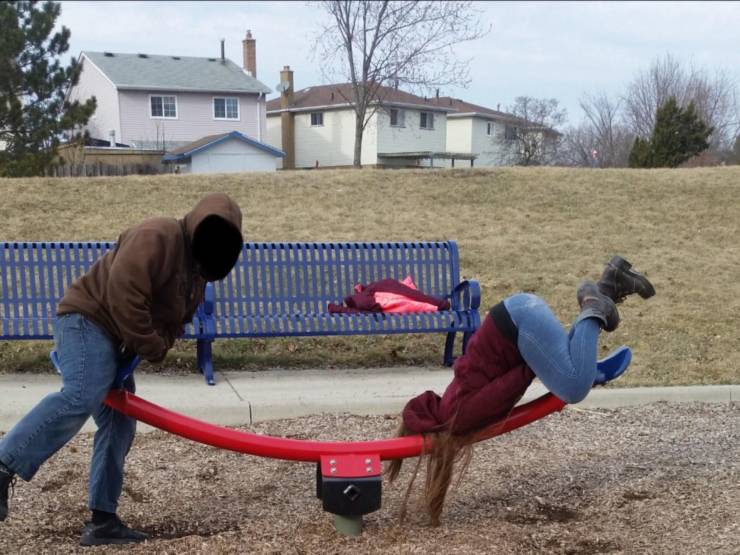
x,y
365,300
489,380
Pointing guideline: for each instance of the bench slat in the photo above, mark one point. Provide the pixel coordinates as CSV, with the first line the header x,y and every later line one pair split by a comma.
x,y
341,324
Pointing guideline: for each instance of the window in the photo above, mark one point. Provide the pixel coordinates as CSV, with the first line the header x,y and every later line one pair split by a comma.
x,y
426,120
510,133
163,107
317,119
397,117
226,108
489,128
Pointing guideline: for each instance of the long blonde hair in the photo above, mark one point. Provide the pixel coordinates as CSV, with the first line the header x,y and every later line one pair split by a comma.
x,y
444,450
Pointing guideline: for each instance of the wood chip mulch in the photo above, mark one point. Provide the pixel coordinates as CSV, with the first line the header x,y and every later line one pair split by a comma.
x,y
663,478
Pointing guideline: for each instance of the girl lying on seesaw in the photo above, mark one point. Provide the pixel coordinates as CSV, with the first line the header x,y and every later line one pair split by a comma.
x,y
520,338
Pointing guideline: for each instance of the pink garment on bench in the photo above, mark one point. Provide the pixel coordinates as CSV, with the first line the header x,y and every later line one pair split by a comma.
x,y
400,303
390,296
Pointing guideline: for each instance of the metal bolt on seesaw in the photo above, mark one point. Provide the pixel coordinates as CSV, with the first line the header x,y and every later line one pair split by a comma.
x,y
348,473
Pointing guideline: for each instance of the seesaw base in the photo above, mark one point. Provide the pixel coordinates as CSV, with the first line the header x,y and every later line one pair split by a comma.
x,y
348,525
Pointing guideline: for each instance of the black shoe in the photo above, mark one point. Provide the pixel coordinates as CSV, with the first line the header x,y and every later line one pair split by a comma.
x,y
620,280
110,532
7,482
595,304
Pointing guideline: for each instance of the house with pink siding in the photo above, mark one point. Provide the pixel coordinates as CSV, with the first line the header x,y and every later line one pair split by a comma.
x,y
147,101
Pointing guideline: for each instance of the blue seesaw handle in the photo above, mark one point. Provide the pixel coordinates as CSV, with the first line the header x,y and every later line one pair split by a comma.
x,y
125,371
121,376
613,365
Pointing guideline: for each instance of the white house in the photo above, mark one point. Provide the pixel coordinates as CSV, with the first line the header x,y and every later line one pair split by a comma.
x,y
315,127
224,153
158,102
476,130
488,134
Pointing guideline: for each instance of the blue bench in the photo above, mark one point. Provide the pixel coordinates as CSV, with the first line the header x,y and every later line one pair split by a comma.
x,y
276,290
284,289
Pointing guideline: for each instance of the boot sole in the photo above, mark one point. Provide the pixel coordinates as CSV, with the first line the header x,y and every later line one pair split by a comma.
x,y
621,264
103,541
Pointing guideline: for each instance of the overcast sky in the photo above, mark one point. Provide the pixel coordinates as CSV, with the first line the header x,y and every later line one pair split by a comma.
x,y
542,49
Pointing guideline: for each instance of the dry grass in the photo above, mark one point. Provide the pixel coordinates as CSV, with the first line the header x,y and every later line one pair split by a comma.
x,y
539,230
660,479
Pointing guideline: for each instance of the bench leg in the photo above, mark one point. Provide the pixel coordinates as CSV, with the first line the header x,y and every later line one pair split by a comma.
x,y
205,360
449,345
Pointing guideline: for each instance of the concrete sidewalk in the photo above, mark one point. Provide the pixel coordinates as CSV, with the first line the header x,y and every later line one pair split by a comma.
x,y
247,397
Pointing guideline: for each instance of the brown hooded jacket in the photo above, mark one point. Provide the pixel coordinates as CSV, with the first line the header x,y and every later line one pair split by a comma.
x,y
147,289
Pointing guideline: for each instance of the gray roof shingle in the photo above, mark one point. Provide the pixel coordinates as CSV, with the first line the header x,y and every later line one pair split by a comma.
x,y
175,73
339,94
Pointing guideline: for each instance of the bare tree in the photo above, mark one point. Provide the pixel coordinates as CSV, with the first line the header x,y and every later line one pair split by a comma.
x,y
578,147
531,137
375,44
715,97
602,139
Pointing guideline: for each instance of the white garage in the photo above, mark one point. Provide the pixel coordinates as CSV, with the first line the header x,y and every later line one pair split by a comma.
x,y
225,153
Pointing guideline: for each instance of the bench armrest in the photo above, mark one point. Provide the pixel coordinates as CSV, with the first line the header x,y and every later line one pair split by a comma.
x,y
469,290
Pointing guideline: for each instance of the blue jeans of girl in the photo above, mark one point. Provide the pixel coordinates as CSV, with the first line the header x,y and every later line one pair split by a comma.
x,y
564,362
88,363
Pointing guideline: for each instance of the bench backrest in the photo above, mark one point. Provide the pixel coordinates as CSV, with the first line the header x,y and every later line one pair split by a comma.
x,y
269,278
33,277
303,278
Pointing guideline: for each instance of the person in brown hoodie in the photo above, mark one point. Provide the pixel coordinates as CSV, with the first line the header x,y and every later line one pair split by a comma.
x,y
135,300
519,339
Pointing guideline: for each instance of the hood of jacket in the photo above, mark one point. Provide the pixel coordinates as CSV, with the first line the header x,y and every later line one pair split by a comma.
x,y
214,232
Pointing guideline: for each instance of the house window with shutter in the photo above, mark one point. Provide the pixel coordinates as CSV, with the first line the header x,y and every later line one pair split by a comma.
x,y
426,120
510,133
317,119
164,107
489,128
397,117
226,108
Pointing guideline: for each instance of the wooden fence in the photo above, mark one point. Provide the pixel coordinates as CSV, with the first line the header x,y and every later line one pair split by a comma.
x,y
100,169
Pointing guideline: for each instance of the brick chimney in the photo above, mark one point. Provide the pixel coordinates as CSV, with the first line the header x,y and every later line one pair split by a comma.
x,y
286,83
249,49
287,119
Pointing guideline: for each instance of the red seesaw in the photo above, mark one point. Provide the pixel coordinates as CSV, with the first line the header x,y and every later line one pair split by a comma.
x,y
348,473
306,450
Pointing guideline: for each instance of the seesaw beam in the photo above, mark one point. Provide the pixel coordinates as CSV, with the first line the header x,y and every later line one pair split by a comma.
x,y
348,474
306,450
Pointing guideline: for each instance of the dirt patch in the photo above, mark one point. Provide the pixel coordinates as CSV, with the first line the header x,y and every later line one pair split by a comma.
x,y
657,479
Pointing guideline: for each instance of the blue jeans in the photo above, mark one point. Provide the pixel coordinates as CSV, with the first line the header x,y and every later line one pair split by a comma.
x,y
564,363
88,360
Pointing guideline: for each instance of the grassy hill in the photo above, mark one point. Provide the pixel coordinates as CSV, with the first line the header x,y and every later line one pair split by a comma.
x,y
540,230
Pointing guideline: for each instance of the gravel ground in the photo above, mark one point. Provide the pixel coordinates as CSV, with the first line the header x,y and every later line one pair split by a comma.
x,y
657,479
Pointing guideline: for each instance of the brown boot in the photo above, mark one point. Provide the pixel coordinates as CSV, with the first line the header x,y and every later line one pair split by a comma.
x,y
595,304
619,280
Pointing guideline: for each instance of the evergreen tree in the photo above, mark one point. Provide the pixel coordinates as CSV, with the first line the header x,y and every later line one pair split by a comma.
x,y
640,154
679,134
33,83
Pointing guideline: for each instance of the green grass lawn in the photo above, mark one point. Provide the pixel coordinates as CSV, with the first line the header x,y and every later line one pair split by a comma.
x,y
540,230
